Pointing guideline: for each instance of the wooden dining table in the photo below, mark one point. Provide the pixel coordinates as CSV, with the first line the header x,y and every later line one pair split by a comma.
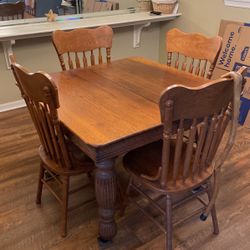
x,y
110,109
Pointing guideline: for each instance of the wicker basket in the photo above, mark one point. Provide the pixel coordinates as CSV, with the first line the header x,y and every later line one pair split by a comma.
x,y
166,7
145,5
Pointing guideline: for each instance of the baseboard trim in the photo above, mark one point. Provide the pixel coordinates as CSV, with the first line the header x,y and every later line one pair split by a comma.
x,y
12,105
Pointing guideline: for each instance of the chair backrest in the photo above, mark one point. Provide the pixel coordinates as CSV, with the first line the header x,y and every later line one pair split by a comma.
x,y
204,114
41,97
192,52
10,11
80,44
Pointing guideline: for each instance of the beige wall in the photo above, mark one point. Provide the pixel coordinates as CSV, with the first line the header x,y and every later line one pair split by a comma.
x,y
39,54
202,16
124,4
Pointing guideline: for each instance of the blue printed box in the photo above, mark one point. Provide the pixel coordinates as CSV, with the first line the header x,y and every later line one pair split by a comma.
x,y
235,53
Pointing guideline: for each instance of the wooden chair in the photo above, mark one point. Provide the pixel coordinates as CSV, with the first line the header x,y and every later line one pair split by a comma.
x,y
59,157
71,44
175,165
10,11
192,52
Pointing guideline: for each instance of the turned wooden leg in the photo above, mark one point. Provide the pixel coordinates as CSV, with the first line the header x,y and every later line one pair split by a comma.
x,y
65,200
169,238
105,189
213,210
40,184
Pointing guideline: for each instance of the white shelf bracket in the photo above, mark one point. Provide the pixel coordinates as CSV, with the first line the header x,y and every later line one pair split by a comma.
x,y
137,34
7,49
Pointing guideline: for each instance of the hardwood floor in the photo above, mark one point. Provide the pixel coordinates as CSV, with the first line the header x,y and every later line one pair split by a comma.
x,y
24,225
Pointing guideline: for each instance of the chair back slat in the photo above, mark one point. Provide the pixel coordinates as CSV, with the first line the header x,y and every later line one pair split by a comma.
x,y
70,62
204,69
168,111
177,61
108,55
178,150
61,59
200,144
169,59
209,139
223,121
35,117
216,134
198,68
191,66
100,56
77,60
193,47
84,60
41,97
189,149
83,40
49,133
201,113
184,64
52,137
92,58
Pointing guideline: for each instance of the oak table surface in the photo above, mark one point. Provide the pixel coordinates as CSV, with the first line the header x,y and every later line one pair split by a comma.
x,y
111,109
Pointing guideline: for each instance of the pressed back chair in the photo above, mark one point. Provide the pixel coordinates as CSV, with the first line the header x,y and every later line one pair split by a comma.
x,y
10,11
176,164
74,47
60,158
192,52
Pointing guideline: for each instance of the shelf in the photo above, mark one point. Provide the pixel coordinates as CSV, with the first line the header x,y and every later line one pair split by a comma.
x,y
41,28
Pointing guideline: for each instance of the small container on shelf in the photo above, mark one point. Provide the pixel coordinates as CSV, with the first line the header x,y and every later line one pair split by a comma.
x,y
145,5
164,6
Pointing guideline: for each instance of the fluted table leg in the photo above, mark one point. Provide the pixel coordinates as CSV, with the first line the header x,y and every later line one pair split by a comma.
x,y
105,188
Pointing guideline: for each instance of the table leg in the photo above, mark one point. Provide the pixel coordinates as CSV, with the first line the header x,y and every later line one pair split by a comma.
x,y
105,189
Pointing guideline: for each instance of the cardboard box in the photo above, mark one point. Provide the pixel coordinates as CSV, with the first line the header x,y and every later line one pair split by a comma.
x,y
224,23
235,53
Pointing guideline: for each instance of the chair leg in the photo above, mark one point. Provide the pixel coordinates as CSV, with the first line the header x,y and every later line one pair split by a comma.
x,y
65,199
125,198
40,184
213,211
169,223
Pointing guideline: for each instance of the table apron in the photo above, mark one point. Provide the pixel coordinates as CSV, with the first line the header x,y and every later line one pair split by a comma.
x,y
120,147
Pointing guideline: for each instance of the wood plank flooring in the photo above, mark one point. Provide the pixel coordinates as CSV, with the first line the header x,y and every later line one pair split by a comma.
x,y
26,226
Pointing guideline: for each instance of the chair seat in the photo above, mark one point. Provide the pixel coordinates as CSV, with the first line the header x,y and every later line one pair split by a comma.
x,y
146,161
80,162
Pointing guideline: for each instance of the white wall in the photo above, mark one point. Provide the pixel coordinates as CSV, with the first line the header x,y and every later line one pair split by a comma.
x,y
124,4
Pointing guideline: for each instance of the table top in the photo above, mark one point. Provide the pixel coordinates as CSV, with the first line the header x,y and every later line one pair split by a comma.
x,y
107,103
